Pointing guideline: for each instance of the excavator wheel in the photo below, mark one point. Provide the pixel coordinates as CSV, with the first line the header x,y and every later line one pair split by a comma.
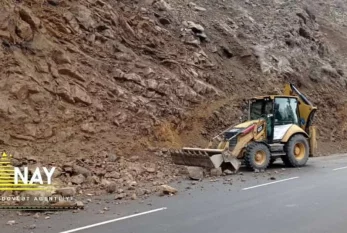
x,y
297,151
257,156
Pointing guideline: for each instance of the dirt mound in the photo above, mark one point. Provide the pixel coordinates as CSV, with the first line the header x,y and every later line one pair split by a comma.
x,y
83,81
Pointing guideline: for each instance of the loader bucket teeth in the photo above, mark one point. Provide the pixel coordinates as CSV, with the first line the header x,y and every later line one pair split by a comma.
x,y
207,158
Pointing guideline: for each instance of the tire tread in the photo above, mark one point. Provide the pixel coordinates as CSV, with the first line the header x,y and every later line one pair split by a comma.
x,y
289,160
249,155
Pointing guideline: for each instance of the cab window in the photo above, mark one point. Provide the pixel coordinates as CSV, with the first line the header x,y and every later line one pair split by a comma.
x,y
260,108
286,111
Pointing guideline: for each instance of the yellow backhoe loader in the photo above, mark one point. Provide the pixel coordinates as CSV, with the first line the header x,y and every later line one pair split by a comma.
x,y
278,126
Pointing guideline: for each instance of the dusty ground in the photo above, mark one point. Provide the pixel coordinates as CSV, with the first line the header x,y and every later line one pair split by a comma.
x,y
106,85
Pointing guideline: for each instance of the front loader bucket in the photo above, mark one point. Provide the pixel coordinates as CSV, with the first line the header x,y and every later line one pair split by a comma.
x,y
231,164
197,157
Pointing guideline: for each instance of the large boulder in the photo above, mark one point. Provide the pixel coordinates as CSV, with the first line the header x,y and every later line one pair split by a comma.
x,y
195,173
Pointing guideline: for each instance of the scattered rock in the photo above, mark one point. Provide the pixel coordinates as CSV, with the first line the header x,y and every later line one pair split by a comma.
x,y
11,222
27,16
60,57
198,8
133,197
195,173
79,204
192,4
162,5
112,157
120,196
228,172
80,95
196,28
88,128
71,72
201,35
81,170
196,43
168,190
132,183
216,172
110,187
67,191
83,16
272,178
24,31
33,226
151,168
137,168
78,179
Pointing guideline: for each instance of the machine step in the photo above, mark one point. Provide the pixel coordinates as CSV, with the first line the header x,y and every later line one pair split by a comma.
x,y
277,154
277,147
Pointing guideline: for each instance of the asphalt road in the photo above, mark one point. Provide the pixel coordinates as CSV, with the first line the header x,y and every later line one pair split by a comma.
x,y
310,199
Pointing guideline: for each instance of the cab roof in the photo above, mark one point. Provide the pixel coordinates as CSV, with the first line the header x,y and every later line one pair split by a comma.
x,y
274,96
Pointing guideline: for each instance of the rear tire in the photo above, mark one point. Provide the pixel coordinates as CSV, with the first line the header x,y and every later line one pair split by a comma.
x,y
257,156
297,151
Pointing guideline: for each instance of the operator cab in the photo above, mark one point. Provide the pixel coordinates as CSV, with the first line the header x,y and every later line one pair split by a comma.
x,y
280,113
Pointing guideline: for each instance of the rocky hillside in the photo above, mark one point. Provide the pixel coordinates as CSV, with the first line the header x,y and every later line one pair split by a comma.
x,y
107,84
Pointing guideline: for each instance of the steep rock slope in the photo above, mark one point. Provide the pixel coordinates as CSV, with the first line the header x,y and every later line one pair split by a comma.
x,y
83,81
259,45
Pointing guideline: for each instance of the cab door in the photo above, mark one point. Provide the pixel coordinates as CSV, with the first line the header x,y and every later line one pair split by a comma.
x,y
285,115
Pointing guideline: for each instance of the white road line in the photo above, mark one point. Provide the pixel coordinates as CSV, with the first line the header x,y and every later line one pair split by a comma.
x,y
113,220
278,181
336,169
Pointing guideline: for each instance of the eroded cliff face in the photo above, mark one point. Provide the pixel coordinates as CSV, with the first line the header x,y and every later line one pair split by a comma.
x,y
106,85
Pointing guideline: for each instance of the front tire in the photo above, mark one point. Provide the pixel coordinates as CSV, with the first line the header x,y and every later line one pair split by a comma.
x,y
297,151
257,156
